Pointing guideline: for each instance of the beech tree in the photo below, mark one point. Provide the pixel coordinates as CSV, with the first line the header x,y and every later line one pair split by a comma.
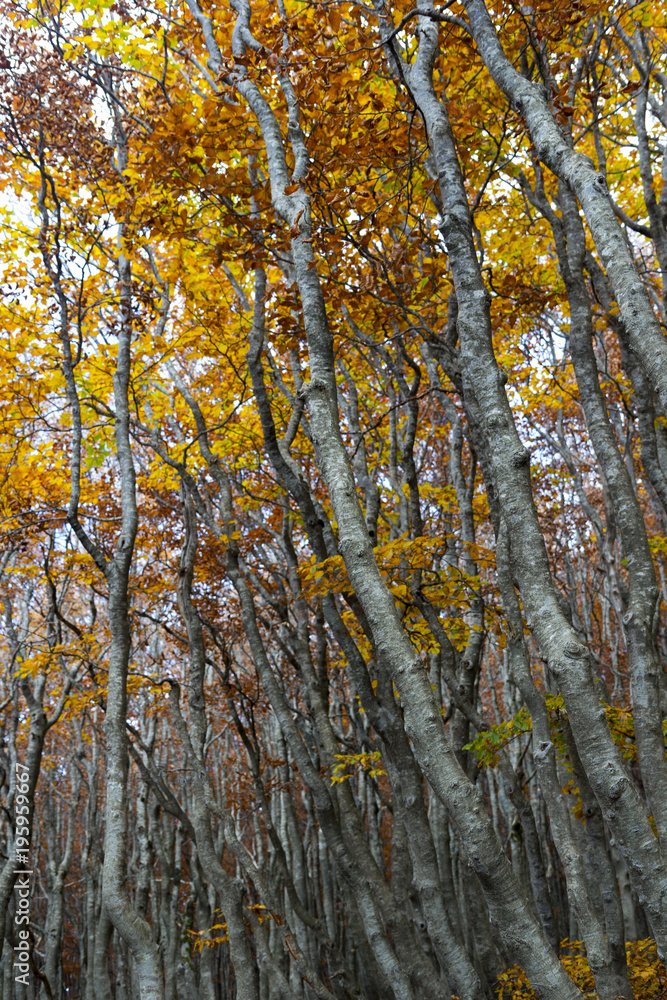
x,y
334,442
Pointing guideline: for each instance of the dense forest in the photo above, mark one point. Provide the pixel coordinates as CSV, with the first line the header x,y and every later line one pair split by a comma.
x,y
333,499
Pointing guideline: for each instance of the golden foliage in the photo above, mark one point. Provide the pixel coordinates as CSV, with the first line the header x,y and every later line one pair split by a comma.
x,y
647,974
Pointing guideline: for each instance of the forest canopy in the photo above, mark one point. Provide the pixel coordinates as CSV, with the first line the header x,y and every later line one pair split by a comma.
x,y
333,552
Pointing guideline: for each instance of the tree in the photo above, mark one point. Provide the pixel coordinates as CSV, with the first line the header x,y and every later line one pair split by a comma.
x,y
334,432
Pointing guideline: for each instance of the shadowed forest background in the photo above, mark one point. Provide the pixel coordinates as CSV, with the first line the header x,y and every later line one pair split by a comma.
x,y
333,434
